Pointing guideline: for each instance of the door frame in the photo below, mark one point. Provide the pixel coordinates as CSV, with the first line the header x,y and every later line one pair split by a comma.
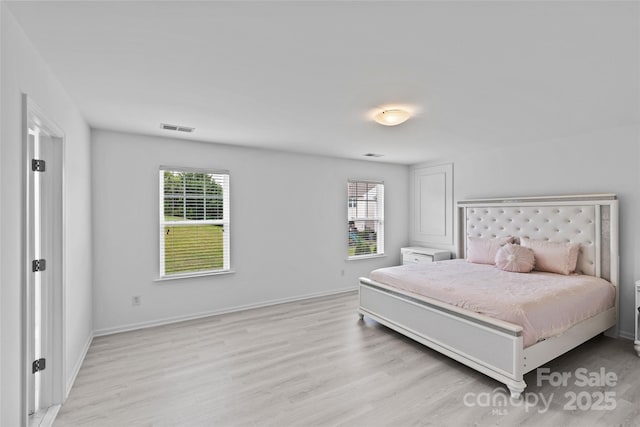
x,y
55,334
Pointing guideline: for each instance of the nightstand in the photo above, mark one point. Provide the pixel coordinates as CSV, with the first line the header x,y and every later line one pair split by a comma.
x,y
417,254
636,342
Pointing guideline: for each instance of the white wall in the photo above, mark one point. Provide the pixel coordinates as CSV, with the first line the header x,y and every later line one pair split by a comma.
x,y
23,70
1,203
602,162
288,227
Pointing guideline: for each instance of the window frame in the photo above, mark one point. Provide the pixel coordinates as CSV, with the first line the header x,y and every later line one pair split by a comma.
x,y
380,208
225,222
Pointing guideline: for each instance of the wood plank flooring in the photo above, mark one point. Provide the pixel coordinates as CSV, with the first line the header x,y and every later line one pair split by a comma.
x,y
313,363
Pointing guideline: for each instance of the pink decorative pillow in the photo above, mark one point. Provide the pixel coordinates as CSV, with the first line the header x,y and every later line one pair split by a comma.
x,y
481,250
515,258
553,257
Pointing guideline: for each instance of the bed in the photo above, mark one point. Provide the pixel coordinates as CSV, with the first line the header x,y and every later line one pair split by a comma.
x,y
504,348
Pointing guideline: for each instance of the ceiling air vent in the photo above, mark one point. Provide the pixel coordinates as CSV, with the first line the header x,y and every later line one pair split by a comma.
x,y
176,128
373,155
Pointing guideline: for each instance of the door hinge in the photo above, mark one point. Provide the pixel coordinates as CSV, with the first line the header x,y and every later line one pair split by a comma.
x,y
38,165
38,265
38,365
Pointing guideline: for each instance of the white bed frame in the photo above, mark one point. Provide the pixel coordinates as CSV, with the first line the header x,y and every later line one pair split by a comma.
x,y
491,346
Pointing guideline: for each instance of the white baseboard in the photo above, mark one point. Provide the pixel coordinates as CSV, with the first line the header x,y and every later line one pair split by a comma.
x,y
168,320
50,416
76,368
626,335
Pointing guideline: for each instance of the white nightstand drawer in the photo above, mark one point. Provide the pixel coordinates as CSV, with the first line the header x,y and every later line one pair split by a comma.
x,y
417,254
413,258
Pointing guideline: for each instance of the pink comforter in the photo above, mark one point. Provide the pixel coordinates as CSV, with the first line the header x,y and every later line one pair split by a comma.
x,y
544,304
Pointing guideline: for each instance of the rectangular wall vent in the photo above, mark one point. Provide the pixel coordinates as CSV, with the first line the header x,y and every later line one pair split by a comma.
x,y
176,128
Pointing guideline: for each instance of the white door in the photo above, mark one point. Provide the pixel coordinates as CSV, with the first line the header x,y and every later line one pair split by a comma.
x,y
44,266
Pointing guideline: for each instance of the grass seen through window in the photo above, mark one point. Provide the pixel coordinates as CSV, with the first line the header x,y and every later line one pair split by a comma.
x,y
193,248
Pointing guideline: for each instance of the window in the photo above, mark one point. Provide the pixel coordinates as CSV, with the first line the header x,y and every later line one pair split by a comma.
x,y
194,222
365,217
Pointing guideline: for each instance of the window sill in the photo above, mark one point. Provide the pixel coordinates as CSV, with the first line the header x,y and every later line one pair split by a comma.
x,y
188,276
355,258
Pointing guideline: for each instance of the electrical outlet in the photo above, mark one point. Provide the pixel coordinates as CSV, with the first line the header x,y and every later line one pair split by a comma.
x,y
136,300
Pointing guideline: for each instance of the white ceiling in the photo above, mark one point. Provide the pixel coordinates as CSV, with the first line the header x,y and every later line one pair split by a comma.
x,y
305,76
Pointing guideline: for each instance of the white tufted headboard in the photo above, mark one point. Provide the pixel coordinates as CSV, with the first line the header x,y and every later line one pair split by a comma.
x,y
590,220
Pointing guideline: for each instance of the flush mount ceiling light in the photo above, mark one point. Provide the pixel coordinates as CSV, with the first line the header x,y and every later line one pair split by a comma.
x,y
392,117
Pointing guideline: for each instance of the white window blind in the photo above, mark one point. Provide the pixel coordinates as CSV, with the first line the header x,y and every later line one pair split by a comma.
x,y
194,222
365,217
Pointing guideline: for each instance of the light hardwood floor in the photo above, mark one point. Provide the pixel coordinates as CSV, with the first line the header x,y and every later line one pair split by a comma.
x,y
313,363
